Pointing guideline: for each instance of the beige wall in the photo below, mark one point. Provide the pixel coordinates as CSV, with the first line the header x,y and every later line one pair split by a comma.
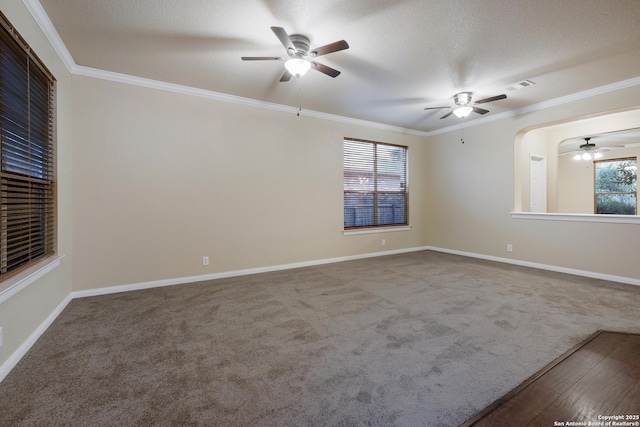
x,y
575,186
24,312
163,179
471,194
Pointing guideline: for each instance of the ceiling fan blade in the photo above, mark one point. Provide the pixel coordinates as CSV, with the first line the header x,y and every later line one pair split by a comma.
x,y
324,69
436,108
284,38
261,58
446,115
329,48
480,110
493,98
286,76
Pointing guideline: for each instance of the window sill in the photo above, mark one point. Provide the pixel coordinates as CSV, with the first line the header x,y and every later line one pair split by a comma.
x,y
376,230
612,219
15,284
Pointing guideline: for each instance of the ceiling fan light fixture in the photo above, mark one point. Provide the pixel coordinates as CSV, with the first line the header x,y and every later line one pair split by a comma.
x,y
462,112
587,156
297,66
588,151
462,98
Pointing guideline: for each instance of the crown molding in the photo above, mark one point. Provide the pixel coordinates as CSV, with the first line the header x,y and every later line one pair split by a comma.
x,y
52,35
224,97
45,24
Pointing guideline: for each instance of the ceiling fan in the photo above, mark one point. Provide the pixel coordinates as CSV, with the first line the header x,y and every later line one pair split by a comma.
x,y
463,105
588,150
298,54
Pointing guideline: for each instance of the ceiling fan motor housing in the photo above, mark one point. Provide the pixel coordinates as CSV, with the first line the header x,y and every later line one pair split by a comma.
x,y
462,98
587,146
301,43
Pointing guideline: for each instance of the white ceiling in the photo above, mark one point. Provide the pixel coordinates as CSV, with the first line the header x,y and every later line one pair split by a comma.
x,y
404,55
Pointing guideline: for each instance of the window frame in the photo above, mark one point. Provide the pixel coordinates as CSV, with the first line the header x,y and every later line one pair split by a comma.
x,y
28,193
376,226
595,189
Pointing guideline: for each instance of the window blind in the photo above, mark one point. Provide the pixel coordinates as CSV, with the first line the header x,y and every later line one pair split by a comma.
x,y
27,159
375,184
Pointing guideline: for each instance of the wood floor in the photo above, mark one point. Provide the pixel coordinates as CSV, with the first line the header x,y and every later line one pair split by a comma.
x,y
598,378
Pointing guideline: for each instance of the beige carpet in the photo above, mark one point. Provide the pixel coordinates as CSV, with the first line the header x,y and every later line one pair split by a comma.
x,y
419,339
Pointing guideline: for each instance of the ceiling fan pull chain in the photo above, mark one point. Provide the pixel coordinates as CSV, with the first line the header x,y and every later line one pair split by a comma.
x,y
299,98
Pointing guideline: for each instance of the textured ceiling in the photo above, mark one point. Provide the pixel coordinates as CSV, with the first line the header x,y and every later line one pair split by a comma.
x,y
404,55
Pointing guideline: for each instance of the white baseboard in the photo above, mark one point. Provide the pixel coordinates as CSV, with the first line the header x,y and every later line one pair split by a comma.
x,y
575,272
29,342
24,348
233,273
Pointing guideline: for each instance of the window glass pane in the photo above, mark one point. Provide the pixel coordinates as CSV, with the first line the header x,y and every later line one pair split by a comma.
x,y
391,168
616,204
358,210
617,176
616,186
359,159
391,209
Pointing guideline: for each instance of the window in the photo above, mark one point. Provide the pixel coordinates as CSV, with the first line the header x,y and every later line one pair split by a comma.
x,y
616,186
27,178
375,184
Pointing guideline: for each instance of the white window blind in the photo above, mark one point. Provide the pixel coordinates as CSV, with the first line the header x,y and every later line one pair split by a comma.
x,y
375,184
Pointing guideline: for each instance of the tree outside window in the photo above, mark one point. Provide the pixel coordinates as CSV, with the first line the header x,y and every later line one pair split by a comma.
x,y
616,186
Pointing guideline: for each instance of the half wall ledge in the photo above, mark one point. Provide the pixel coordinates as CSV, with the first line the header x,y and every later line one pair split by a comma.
x,y
612,219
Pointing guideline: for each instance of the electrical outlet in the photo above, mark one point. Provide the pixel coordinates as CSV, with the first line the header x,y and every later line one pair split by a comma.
x,y
205,260
1,340
509,247
384,242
